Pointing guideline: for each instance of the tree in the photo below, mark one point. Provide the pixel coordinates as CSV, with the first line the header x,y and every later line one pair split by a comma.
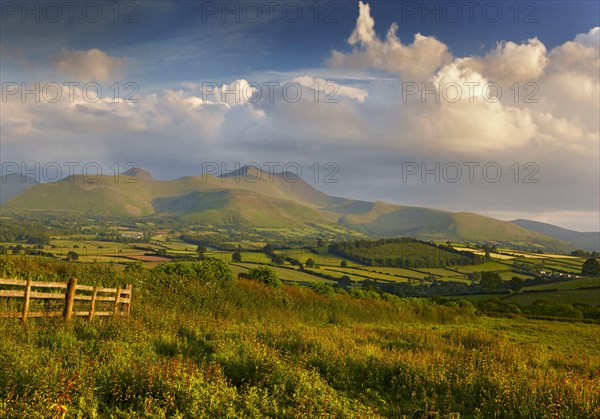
x,y
320,242
201,250
277,259
580,253
345,281
322,288
487,249
265,275
310,263
134,267
516,283
474,276
591,267
490,281
236,257
344,264
72,256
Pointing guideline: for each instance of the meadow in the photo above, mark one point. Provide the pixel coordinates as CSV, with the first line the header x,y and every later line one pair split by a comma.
x,y
212,346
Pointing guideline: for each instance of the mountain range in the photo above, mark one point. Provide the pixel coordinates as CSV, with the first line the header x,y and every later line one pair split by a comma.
x,y
588,240
254,198
13,184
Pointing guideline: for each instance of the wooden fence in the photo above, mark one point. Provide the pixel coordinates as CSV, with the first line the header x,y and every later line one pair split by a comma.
x,y
118,298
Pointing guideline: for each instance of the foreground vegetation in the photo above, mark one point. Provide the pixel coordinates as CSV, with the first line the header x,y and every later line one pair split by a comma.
x,y
202,344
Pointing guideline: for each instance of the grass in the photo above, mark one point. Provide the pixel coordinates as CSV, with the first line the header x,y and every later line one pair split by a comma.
x,y
442,272
568,296
462,279
547,335
405,273
293,369
562,267
360,274
486,266
255,257
568,285
324,259
201,350
290,274
508,275
567,292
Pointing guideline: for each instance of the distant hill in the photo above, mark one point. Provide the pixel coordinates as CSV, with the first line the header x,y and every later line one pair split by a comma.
x,y
387,220
251,197
13,184
579,240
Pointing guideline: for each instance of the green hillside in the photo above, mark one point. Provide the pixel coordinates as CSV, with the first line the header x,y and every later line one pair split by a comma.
x,y
386,220
245,207
258,199
14,184
589,240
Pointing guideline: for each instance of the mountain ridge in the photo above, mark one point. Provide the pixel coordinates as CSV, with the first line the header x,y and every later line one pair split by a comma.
x,y
13,184
585,240
256,198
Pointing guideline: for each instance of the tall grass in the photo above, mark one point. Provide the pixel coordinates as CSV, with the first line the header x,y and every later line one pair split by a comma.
x,y
195,348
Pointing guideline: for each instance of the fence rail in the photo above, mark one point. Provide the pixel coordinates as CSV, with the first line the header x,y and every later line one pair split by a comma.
x,y
120,298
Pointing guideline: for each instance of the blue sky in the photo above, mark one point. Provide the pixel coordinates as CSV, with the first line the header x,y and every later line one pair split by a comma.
x,y
171,48
198,45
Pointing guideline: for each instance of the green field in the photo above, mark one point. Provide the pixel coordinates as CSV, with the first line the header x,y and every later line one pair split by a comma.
x,y
91,250
362,274
442,272
568,285
289,274
567,296
486,266
508,275
404,273
567,292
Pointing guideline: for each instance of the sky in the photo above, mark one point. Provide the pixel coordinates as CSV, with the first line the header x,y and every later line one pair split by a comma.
x,y
487,107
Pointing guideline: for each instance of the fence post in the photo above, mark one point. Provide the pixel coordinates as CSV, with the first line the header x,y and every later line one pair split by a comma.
x,y
117,298
128,307
93,304
25,310
70,299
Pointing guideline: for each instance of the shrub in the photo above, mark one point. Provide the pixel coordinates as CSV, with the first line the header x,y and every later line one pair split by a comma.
x,y
322,288
591,267
543,307
208,270
265,275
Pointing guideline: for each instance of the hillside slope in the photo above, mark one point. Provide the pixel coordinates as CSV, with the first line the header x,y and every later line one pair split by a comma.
x,y
13,185
580,240
386,220
253,198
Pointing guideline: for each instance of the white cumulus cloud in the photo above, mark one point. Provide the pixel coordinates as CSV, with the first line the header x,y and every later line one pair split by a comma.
x,y
417,60
89,65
